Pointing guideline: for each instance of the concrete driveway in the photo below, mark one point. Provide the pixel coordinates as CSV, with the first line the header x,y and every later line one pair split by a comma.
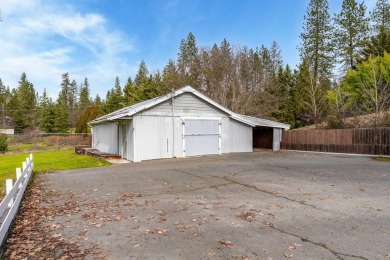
x,y
261,205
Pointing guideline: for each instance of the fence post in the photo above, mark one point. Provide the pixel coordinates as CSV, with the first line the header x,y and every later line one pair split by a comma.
x,y
31,158
24,166
18,175
8,188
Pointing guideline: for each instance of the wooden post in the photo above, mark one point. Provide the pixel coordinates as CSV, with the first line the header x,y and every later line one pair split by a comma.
x,y
8,188
24,165
18,175
31,158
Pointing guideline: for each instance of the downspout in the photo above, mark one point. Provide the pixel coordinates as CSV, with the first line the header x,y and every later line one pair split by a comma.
x,y
173,123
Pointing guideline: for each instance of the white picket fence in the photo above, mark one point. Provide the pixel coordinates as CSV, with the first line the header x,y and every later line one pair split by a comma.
x,y
10,204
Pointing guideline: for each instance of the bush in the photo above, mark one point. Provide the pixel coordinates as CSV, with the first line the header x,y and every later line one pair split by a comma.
x,y
29,136
3,143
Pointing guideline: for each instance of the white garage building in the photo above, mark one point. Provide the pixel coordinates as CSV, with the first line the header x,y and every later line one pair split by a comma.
x,y
180,124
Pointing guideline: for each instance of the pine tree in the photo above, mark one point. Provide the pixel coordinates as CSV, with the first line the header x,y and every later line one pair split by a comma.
x,y
84,99
23,103
351,29
65,92
380,16
171,76
316,47
89,113
142,74
376,46
114,98
285,108
60,124
188,62
275,54
5,96
47,113
2,92
129,92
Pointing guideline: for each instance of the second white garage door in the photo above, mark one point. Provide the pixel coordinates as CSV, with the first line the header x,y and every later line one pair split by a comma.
x,y
201,137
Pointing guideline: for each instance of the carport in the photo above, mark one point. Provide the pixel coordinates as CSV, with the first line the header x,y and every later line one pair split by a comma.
x,y
263,137
266,134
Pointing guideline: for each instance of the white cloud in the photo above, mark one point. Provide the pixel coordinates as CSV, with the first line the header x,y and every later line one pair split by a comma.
x,y
46,39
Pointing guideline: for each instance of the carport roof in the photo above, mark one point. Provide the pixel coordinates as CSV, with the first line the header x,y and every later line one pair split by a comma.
x,y
136,108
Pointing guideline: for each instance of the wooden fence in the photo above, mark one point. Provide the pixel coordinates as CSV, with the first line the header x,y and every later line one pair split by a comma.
x,y
10,204
355,140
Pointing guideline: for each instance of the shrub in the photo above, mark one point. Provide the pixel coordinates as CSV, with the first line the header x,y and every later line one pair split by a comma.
x,y
29,136
3,143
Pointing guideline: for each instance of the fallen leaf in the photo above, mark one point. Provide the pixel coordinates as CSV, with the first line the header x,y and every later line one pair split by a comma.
x,y
226,244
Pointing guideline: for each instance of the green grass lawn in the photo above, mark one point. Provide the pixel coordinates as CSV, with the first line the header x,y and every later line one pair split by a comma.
x,y
381,159
46,162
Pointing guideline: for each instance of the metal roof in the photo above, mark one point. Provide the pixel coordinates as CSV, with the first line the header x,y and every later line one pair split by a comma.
x,y
136,108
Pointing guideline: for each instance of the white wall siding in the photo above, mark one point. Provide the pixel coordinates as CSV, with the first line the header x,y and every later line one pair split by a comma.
x,y
153,137
277,138
105,138
186,104
130,141
240,137
225,132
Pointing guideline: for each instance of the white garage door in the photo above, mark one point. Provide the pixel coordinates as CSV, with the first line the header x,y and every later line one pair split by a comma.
x,y
201,136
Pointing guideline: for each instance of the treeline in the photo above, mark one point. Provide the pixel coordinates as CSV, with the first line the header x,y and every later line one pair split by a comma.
x,y
344,71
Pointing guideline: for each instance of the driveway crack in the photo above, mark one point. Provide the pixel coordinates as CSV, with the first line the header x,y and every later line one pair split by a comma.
x,y
251,187
335,253
268,192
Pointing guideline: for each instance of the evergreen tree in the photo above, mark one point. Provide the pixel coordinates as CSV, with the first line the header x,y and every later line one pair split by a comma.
x,y
84,99
380,16
61,119
47,113
23,103
86,115
286,106
65,92
128,92
67,98
188,62
171,76
142,74
351,28
2,92
276,56
316,48
114,98
376,46
5,96
73,103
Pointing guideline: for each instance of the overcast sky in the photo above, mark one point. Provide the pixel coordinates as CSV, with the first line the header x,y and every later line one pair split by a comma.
x,y
102,39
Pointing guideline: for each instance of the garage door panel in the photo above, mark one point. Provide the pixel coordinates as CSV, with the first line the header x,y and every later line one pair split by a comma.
x,y
202,145
201,127
201,137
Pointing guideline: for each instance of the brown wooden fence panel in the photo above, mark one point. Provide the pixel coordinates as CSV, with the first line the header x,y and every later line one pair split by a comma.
x,y
358,140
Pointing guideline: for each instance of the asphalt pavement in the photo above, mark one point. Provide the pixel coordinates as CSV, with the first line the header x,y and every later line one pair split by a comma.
x,y
261,205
